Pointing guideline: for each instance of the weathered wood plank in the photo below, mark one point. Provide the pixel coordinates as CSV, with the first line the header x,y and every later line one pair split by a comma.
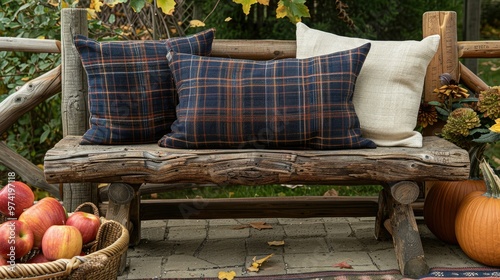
x,y
471,80
70,162
74,99
28,97
257,207
24,168
285,207
120,196
405,192
29,45
254,49
406,239
479,49
446,58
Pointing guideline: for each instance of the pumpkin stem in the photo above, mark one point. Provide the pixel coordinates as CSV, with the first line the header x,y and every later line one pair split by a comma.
x,y
475,155
491,179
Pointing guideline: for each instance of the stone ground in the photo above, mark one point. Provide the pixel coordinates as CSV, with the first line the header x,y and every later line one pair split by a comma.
x,y
202,248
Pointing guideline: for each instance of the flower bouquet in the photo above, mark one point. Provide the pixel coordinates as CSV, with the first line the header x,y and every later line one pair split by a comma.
x,y
470,120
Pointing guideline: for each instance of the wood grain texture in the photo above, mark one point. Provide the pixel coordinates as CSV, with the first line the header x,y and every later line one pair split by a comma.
x,y
74,83
30,173
28,97
406,238
471,80
446,58
405,192
29,45
479,49
70,162
74,99
254,49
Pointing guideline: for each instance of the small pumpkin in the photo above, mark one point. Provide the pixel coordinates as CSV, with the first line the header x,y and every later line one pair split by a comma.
x,y
441,206
477,224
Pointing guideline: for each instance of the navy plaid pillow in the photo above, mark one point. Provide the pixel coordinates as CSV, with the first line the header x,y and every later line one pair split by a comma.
x,y
292,103
132,95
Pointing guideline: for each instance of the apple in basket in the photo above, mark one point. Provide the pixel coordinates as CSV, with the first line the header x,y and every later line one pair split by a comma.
x,y
61,242
38,258
14,198
87,223
16,240
3,261
43,214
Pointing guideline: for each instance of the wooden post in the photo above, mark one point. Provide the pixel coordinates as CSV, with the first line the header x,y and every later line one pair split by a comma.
x,y
446,58
405,235
120,195
135,216
74,99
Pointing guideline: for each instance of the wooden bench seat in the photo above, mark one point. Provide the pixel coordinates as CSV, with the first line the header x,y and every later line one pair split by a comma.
x,y
438,159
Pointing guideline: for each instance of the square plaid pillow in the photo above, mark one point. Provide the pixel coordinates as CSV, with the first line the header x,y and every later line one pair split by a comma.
x,y
132,95
289,103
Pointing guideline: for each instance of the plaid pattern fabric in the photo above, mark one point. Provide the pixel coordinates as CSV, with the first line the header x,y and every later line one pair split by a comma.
x,y
292,103
132,95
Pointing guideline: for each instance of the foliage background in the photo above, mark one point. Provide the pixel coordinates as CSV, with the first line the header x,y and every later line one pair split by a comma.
x,y
40,129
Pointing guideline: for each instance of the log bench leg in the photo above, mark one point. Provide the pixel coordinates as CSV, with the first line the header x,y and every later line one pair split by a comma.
x,y
123,207
120,195
403,226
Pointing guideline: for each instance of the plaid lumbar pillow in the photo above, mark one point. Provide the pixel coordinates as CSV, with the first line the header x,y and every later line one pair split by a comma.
x,y
289,103
132,95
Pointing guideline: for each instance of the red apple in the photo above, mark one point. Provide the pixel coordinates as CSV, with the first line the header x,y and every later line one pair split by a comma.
x,y
61,242
14,198
16,240
87,223
3,261
38,258
45,213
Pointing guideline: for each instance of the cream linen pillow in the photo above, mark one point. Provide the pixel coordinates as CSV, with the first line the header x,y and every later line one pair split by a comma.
x,y
389,88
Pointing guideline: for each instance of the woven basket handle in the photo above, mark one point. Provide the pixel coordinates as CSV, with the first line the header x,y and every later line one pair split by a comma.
x,y
92,205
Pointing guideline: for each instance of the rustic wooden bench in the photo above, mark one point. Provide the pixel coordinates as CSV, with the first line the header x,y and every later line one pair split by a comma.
x,y
130,169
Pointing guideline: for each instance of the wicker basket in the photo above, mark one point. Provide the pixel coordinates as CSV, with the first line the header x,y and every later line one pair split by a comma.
x,y
102,263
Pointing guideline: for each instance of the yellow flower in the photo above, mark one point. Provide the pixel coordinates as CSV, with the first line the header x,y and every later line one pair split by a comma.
x,y
496,127
427,115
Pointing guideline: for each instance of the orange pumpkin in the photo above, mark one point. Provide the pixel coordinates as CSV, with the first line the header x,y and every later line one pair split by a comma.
x,y
477,223
441,206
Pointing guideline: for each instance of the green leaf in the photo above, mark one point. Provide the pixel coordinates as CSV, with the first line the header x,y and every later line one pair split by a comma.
x,y
442,111
137,5
293,9
23,7
435,103
167,6
44,136
246,5
488,138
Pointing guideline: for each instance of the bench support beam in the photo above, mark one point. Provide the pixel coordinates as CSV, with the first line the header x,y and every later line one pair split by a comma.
x,y
396,202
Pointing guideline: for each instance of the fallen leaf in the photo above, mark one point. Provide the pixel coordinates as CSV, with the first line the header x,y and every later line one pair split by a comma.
x,y
343,264
276,243
228,19
256,264
196,23
226,275
260,225
331,192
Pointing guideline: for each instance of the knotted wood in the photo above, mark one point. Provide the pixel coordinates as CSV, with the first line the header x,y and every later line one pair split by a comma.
x,y
70,162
